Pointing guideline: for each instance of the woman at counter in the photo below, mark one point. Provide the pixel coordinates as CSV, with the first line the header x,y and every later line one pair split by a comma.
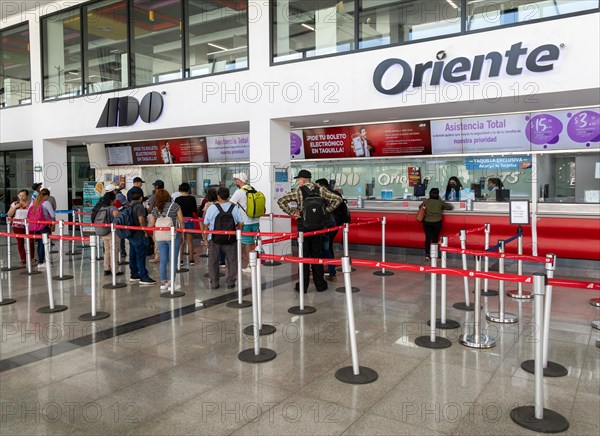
x,y
494,184
453,189
432,223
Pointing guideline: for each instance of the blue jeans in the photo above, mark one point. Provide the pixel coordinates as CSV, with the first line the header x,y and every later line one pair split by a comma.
x,y
41,250
138,247
327,251
164,248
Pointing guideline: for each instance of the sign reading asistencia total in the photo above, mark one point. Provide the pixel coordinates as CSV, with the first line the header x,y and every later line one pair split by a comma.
x,y
460,69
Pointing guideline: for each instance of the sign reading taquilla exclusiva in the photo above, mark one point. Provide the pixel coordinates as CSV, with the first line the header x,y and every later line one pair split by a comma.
x,y
461,69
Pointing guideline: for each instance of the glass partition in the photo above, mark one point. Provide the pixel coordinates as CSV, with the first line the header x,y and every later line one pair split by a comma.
x,y
15,68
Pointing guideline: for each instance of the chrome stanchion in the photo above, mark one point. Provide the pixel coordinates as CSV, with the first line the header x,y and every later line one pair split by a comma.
x,y
486,265
383,272
302,309
172,260
28,244
180,268
433,341
595,324
8,255
73,252
536,417
271,262
61,275
93,315
345,232
355,374
500,316
477,339
240,303
551,369
52,307
263,329
442,322
519,293
256,354
5,301
113,260
466,305
80,219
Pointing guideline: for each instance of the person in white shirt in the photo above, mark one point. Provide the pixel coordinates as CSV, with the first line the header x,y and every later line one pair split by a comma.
x,y
239,198
362,145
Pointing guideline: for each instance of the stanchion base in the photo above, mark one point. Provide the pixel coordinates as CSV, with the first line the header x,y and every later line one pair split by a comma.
x,y
89,317
463,306
425,341
595,302
295,310
220,274
115,286
468,340
123,262
596,325
265,355
64,277
72,253
32,273
525,295
7,301
552,422
552,370
448,325
488,293
352,269
53,251
383,273
265,330
509,318
236,305
183,270
271,263
342,289
365,375
47,309
203,255
175,294
10,268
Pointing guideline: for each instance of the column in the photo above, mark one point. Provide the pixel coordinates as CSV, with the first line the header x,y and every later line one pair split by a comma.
x,y
51,158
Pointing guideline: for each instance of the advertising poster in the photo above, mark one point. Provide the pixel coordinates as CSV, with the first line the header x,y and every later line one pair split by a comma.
x,y
233,148
377,140
507,163
560,130
92,192
296,145
414,176
171,151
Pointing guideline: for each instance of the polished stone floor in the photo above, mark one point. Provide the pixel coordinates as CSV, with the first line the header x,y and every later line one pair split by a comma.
x,y
170,366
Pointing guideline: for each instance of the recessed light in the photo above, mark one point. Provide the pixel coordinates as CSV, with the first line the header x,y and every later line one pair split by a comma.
x,y
326,121
308,27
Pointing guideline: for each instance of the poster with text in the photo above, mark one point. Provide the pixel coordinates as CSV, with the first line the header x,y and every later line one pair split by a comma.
x,y
231,148
376,140
160,152
560,130
296,145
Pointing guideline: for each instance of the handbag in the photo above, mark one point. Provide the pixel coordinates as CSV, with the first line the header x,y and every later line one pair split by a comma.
x,y
421,212
164,221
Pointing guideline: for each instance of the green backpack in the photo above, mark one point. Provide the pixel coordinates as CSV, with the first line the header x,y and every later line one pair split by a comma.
x,y
256,203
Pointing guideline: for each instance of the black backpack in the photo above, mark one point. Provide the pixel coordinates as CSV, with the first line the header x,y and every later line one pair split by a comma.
x,y
102,217
342,213
96,209
313,213
224,221
124,218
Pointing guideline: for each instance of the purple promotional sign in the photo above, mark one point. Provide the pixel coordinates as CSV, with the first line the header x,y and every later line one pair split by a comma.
x,y
574,129
296,145
584,127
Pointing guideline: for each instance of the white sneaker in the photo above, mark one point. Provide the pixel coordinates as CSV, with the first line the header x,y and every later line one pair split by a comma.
x,y
164,286
247,270
41,265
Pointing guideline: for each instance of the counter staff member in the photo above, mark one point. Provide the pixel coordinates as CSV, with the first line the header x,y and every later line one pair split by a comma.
x,y
313,245
494,184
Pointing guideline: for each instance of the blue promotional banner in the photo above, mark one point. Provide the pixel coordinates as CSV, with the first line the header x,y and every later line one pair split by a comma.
x,y
499,163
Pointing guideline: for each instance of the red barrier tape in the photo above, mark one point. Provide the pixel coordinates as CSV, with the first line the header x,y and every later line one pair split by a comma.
x,y
478,229
497,255
39,236
592,286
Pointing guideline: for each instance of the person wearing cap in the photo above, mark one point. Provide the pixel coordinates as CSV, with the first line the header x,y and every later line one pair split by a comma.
x,y
313,245
35,188
159,184
432,223
328,238
137,187
240,198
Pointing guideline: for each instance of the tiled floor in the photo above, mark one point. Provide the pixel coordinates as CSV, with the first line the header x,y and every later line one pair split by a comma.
x,y
177,370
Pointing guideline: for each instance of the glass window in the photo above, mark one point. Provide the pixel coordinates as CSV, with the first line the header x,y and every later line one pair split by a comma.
x,y
569,178
61,36
304,29
79,171
105,61
218,36
392,22
482,14
157,44
15,70
16,174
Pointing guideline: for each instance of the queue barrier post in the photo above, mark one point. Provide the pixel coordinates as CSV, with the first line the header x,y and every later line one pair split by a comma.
x,y
5,301
519,293
51,308
302,309
8,266
80,219
486,264
596,324
263,329
477,339
255,354
61,270
466,305
173,267
28,247
354,374
442,322
179,265
536,417
383,272
94,315
73,251
271,262
345,233
501,316
240,303
551,369
433,341
113,260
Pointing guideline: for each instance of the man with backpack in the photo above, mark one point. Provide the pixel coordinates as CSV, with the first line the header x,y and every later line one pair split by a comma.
x,y
311,213
222,215
251,206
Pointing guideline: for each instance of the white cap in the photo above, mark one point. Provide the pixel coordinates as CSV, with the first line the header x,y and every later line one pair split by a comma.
x,y
110,187
241,176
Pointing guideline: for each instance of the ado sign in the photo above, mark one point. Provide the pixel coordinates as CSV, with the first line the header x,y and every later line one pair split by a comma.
x,y
124,111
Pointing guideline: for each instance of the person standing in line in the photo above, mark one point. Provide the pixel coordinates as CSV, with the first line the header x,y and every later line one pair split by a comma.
x,y
18,211
109,202
214,248
48,212
159,184
188,205
453,189
138,243
328,238
122,199
137,187
432,223
35,190
313,245
240,198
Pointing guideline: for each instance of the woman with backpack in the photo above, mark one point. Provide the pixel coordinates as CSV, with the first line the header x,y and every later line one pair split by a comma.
x,y
41,210
432,223
166,213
